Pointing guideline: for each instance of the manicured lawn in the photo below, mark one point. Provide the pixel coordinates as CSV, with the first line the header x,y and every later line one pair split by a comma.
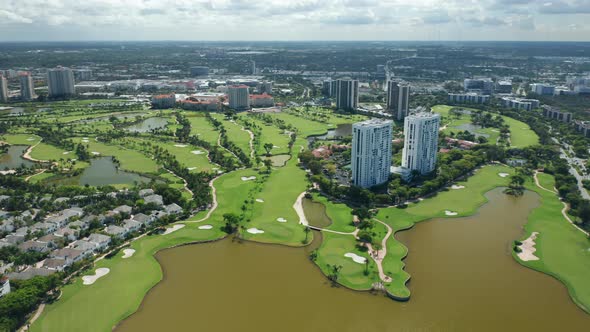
x,y
202,128
521,135
339,214
20,139
45,151
131,160
279,193
463,201
304,126
117,295
235,133
185,154
269,134
563,250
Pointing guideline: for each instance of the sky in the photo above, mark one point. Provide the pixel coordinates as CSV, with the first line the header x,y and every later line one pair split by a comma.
x,y
251,20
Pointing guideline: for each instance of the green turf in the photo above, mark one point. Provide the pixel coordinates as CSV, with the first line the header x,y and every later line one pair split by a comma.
x,y
564,251
279,193
117,295
131,160
235,133
269,134
202,128
20,139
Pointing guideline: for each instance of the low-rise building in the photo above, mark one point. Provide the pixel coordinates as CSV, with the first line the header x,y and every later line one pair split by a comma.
x,y
555,113
4,286
143,219
468,98
34,246
57,264
146,192
131,225
201,105
70,255
68,233
263,100
123,209
154,199
102,241
583,127
116,231
173,209
520,104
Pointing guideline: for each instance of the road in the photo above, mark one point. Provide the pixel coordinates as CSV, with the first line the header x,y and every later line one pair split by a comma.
x,y
573,171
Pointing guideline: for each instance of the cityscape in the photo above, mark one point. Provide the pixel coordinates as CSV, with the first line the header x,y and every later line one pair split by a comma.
x,y
299,183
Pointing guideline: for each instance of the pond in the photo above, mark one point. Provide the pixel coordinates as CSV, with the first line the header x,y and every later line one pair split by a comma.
x,y
102,171
148,125
463,279
472,128
342,130
120,116
13,158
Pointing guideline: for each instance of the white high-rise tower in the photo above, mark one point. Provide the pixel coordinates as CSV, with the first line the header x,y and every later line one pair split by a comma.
x,y
371,152
60,82
421,142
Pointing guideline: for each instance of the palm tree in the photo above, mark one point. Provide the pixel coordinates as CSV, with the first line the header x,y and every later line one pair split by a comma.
x,y
306,230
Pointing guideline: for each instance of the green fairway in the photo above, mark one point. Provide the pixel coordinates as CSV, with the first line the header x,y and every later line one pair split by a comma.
x,y
20,139
563,250
100,306
45,151
339,214
269,134
521,135
235,133
464,202
279,193
305,127
202,128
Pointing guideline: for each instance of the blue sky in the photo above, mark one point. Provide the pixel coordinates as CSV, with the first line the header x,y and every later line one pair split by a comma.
x,y
34,20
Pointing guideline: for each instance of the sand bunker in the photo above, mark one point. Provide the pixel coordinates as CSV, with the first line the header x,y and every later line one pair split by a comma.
x,y
528,249
450,213
248,178
95,153
192,168
67,152
356,258
180,145
173,229
456,187
197,152
100,272
254,231
503,175
128,253
30,139
260,200
276,147
281,220
206,227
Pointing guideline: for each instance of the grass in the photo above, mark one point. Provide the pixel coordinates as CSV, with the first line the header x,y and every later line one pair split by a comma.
x,y
131,160
521,135
21,139
563,250
464,201
235,133
202,128
49,152
270,134
117,295
305,127
337,212
279,193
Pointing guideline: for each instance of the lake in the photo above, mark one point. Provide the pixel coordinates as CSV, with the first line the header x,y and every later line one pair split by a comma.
x,y
13,158
463,279
102,171
148,125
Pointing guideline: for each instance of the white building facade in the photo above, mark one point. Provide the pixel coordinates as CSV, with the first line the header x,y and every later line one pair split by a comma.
x,y
371,152
239,97
398,99
421,142
61,82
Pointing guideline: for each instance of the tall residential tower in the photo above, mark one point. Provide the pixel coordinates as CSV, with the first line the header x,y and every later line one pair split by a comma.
x,y
371,152
3,89
27,88
347,94
61,82
239,97
421,142
398,99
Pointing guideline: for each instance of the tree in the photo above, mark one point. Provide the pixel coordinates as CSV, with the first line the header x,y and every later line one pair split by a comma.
x,y
268,165
231,222
268,147
334,272
306,230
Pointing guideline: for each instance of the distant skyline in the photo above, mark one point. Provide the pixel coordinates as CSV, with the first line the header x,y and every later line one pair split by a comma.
x,y
245,20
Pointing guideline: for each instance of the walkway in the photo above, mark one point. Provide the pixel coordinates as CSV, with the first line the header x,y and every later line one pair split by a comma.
x,y
251,141
565,206
30,176
298,206
183,180
213,206
379,255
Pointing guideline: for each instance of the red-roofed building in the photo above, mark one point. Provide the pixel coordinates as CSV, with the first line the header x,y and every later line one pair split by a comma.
x,y
164,101
263,100
201,105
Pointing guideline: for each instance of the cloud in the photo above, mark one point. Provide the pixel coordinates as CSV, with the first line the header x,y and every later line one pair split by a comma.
x,y
10,17
566,7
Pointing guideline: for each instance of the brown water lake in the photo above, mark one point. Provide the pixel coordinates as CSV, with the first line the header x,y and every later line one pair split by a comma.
x,y
463,279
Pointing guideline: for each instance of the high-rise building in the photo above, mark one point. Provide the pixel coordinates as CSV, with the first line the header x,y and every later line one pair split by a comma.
x,y
27,88
329,88
347,94
398,99
380,73
239,97
265,87
421,142
3,89
484,86
83,74
371,152
60,82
